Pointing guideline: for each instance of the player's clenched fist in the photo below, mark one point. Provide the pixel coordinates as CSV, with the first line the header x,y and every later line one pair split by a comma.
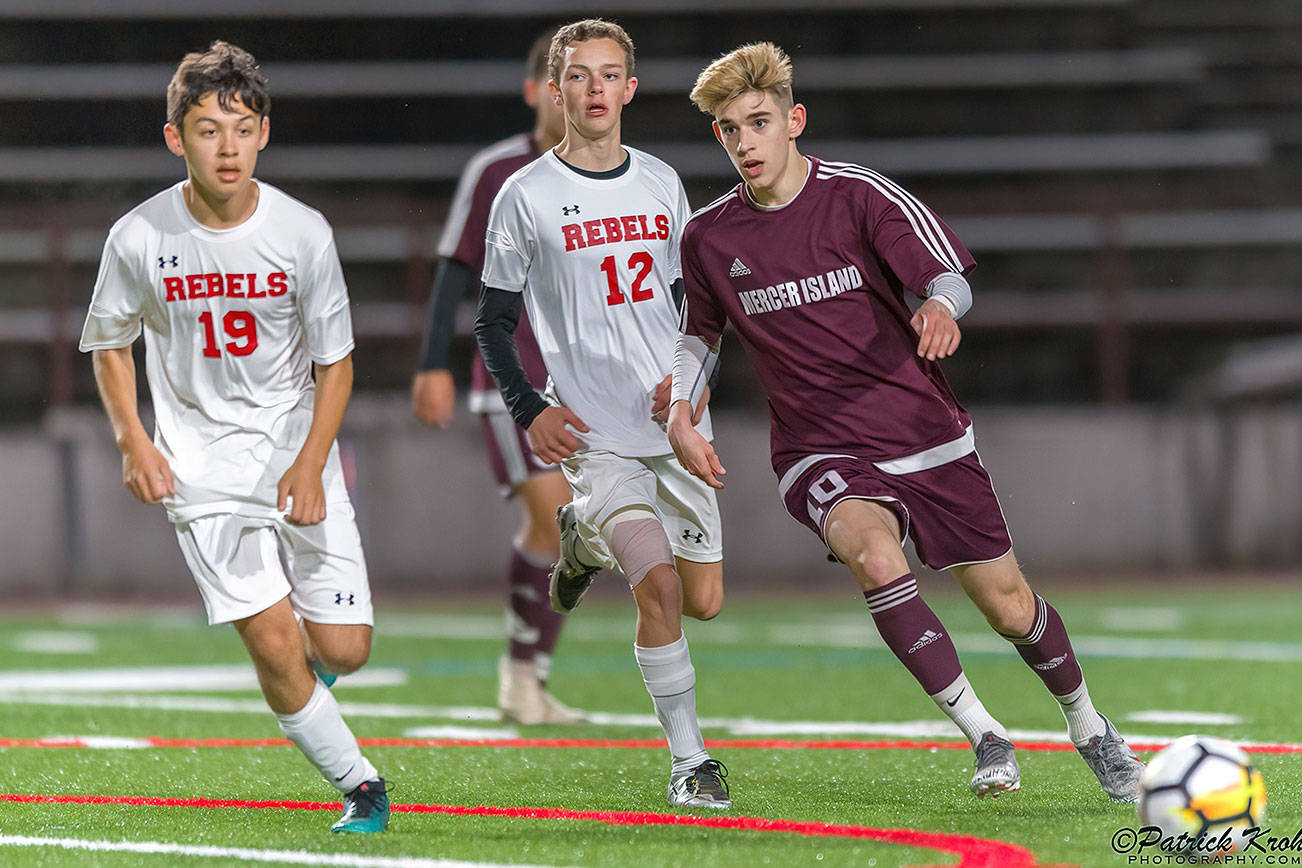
x,y
145,472
550,438
938,334
693,451
433,396
301,492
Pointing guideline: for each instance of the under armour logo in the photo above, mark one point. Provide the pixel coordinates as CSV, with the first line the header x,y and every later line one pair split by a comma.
x,y
570,210
695,537
164,261
339,599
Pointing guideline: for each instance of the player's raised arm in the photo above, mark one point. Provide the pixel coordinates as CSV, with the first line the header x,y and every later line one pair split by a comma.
x,y
144,469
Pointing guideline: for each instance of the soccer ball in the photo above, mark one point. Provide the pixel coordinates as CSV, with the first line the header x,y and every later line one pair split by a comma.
x,y
1202,786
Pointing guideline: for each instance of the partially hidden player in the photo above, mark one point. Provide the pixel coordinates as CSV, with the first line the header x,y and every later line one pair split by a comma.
x,y
587,237
533,625
242,301
809,260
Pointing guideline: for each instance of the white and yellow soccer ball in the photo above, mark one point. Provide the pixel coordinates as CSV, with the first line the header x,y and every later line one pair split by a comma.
x,y
1203,786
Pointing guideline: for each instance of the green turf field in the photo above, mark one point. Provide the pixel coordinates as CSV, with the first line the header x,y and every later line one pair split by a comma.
x,y
773,670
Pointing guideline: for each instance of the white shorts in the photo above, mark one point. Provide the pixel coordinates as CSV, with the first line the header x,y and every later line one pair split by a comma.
x,y
605,484
245,565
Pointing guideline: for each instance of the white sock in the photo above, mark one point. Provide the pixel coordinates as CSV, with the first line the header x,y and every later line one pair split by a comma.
x,y
671,681
1083,722
960,702
321,734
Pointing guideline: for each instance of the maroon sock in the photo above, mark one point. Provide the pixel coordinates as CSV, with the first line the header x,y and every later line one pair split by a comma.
x,y
532,608
1047,650
914,633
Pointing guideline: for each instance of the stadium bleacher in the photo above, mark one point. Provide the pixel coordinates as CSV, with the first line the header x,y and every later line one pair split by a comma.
x,y
1127,167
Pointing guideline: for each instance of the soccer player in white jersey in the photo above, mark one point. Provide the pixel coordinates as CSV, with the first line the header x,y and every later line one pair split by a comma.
x,y
533,626
242,301
587,235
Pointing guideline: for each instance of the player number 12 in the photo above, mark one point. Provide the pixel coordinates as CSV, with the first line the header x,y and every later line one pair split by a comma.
x,y
642,261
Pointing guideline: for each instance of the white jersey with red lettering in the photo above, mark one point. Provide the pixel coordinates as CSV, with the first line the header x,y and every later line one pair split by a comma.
x,y
595,254
233,320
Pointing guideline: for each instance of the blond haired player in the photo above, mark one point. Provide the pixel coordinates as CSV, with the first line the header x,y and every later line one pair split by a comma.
x,y
242,302
587,236
810,261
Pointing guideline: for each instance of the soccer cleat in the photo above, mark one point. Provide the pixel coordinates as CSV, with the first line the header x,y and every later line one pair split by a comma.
x,y
705,786
555,711
997,771
366,810
1113,763
570,578
519,696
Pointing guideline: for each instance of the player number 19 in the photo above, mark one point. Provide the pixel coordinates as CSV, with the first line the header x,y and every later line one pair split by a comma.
x,y
239,325
642,262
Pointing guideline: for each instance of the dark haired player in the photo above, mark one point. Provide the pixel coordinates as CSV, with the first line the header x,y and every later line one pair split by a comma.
x,y
243,304
809,260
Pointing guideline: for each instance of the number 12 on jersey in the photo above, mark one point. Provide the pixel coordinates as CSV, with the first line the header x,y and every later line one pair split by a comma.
x,y
641,262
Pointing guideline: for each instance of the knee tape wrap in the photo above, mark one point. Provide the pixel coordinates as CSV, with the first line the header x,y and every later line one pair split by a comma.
x,y
638,544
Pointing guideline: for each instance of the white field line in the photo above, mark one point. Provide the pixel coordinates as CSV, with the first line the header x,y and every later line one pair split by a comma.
x,y
836,631
162,679
855,632
1185,718
736,726
54,642
1142,619
291,857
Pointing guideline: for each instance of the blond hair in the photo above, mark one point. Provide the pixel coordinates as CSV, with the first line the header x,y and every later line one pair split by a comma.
x,y
584,31
760,66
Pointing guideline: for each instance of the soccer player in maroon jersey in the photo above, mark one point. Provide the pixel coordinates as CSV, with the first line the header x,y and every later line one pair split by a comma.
x,y
533,626
809,260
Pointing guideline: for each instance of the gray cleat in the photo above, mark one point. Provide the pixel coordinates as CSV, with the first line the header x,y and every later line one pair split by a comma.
x,y
997,771
1113,762
705,786
570,577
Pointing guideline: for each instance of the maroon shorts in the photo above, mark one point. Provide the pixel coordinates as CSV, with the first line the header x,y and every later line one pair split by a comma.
x,y
950,512
509,454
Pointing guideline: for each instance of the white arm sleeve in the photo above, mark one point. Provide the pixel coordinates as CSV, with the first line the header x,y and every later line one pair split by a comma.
x,y
694,361
951,290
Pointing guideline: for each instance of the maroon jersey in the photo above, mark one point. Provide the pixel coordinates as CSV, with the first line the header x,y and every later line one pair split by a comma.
x,y
463,240
815,290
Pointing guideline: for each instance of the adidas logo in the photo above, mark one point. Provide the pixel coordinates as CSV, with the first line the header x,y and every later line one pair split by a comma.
x,y
1051,664
926,639
738,269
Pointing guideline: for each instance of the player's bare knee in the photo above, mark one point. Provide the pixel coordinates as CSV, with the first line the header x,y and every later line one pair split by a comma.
x,y
874,568
703,606
659,595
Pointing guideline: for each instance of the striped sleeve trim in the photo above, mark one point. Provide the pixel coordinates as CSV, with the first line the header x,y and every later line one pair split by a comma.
x,y
464,197
924,222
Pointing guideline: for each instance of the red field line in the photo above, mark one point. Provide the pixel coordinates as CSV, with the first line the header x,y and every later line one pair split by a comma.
x,y
645,744
972,852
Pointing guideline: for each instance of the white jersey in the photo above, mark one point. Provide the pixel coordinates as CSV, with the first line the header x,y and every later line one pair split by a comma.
x,y
233,320
595,256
